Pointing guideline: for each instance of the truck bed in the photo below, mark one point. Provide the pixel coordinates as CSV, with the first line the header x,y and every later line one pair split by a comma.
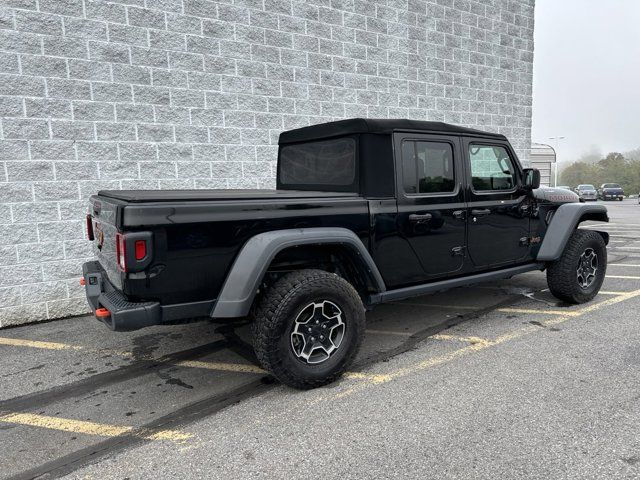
x,y
142,196
198,233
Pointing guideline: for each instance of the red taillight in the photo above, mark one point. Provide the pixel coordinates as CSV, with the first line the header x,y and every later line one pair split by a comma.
x,y
141,249
90,228
121,254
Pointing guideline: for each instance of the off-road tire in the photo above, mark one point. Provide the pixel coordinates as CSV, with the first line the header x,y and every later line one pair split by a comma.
x,y
274,317
561,274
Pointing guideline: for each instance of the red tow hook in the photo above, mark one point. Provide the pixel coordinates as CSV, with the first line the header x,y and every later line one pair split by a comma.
x,y
83,281
102,313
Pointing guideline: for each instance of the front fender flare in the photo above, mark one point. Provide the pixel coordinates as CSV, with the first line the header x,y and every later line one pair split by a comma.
x,y
251,264
564,222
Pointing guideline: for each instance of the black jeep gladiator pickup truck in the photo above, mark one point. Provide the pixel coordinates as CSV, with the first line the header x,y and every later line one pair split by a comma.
x,y
365,212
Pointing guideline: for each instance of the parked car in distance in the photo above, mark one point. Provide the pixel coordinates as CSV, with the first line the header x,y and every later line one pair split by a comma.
x,y
365,212
610,191
587,192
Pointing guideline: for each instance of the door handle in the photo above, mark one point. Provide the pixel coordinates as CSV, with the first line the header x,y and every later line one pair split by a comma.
x,y
414,217
480,212
458,214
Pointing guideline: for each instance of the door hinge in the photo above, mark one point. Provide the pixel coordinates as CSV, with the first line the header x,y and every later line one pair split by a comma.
x,y
458,251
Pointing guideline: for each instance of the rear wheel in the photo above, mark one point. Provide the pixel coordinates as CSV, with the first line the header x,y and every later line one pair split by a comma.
x,y
576,277
308,327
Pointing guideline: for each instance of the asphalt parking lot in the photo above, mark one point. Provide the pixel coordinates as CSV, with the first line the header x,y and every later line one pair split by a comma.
x,y
498,380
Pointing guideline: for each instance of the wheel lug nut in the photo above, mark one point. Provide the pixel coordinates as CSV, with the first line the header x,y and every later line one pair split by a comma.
x,y
321,337
313,339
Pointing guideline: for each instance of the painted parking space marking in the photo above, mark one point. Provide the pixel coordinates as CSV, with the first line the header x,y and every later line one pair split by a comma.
x,y
535,311
90,428
474,347
627,277
221,366
456,338
19,342
628,265
373,378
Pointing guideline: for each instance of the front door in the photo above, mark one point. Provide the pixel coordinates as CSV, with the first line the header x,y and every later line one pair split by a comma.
x,y
431,206
498,209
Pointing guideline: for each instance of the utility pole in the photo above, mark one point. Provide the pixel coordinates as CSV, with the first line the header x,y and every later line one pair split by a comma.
x,y
557,149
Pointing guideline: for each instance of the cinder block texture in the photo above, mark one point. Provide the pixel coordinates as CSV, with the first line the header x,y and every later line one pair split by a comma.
x,y
193,93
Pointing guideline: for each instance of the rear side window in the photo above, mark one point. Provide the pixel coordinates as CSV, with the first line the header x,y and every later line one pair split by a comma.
x,y
427,167
491,168
323,163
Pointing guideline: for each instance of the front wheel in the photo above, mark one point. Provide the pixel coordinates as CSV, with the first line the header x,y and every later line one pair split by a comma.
x,y
576,277
308,327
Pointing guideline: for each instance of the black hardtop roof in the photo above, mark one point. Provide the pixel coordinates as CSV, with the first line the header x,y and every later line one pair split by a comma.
x,y
374,125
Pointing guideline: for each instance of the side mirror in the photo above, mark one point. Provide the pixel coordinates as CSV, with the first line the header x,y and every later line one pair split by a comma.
x,y
531,178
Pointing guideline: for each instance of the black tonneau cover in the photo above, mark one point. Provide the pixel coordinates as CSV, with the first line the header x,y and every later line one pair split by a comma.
x,y
142,196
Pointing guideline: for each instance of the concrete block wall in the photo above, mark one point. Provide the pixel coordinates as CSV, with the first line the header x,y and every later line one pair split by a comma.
x,y
193,94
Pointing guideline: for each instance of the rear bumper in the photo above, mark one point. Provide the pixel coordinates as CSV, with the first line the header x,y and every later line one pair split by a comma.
x,y
125,315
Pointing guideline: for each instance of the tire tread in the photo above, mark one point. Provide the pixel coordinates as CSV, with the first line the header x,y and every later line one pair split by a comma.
x,y
268,324
561,273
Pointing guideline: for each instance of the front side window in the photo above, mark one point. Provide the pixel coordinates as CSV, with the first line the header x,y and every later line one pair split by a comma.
x,y
323,163
427,167
491,168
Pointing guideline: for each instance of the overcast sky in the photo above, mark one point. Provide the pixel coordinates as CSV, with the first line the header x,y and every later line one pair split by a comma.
x,y
586,83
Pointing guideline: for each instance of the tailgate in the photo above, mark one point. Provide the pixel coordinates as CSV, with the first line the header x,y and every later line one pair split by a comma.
x,y
103,214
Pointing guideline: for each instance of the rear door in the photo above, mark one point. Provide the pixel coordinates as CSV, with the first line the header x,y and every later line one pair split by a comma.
x,y
431,206
498,210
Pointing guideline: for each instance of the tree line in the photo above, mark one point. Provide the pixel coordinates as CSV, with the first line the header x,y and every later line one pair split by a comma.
x,y
623,169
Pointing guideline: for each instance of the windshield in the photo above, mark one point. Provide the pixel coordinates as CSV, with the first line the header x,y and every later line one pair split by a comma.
x,y
586,187
610,185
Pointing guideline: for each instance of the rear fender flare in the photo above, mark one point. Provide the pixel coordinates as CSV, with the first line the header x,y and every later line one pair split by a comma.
x,y
251,264
565,220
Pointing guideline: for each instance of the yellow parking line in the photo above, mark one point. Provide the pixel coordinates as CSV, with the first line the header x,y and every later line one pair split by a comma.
x,y
18,342
630,265
611,301
89,428
628,277
221,366
534,311
456,338
389,332
450,356
608,292
373,378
